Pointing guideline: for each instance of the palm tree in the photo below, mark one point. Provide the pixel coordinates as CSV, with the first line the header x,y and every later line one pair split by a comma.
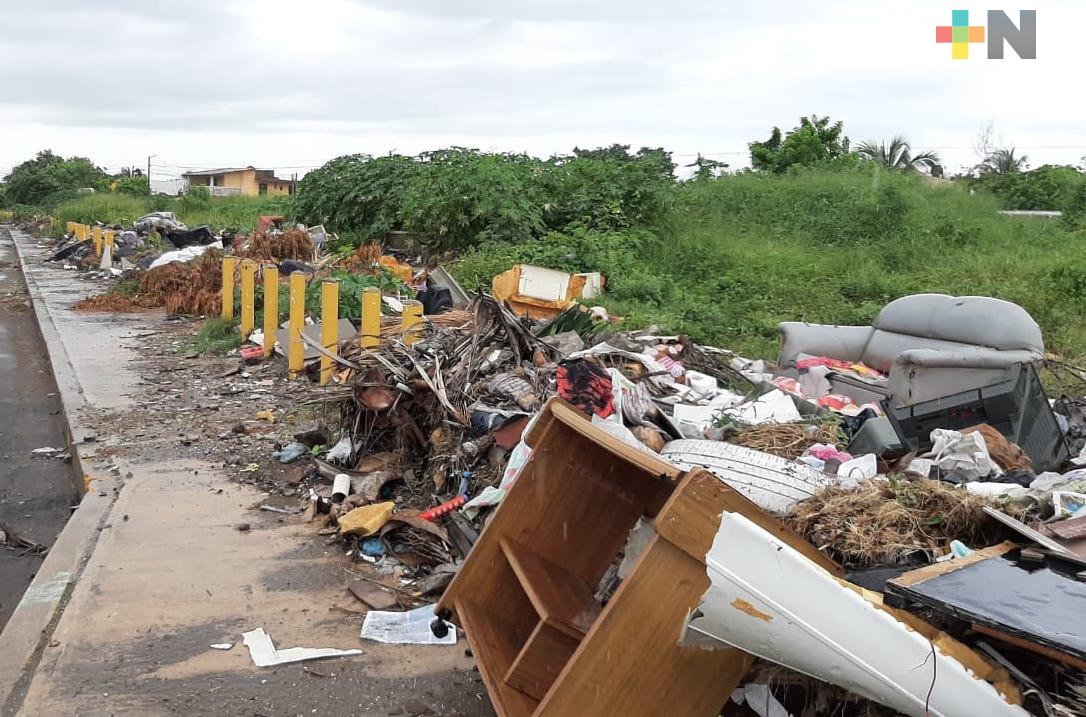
x,y
1003,161
897,155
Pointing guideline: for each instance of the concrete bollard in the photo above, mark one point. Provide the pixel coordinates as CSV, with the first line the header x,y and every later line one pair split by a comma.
x,y
411,323
96,234
370,334
295,349
271,308
329,326
248,297
228,264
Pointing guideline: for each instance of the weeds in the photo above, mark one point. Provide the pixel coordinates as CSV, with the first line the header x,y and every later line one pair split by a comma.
x,y
216,336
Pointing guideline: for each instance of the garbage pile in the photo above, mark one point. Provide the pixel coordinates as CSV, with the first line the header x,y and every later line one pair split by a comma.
x,y
432,439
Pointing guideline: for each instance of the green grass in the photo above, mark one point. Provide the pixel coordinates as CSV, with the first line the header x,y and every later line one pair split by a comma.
x,y
216,336
239,213
742,253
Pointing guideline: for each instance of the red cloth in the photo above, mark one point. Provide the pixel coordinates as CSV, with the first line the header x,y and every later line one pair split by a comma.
x,y
587,386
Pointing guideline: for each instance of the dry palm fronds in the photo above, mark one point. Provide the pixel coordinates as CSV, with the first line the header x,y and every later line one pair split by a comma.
x,y
114,303
364,259
787,440
291,244
886,521
194,287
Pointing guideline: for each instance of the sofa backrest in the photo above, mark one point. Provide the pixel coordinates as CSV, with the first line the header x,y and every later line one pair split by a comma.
x,y
964,320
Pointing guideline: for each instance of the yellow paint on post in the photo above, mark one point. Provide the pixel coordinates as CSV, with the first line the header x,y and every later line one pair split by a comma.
x,y
228,264
370,334
411,323
70,228
248,297
96,234
271,308
109,241
295,350
329,326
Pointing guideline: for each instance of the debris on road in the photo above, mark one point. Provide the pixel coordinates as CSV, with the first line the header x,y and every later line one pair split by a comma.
x,y
264,653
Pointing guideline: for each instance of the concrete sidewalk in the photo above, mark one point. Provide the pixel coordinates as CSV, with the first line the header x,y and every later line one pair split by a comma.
x,y
167,573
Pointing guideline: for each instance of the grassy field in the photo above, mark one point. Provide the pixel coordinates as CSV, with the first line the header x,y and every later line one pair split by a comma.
x,y
739,254
239,213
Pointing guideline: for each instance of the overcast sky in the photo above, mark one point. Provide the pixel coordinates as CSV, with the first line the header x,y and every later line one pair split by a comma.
x,y
291,83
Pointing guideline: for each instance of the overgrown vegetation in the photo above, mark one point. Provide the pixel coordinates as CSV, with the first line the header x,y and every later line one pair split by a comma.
x,y
240,213
457,198
738,254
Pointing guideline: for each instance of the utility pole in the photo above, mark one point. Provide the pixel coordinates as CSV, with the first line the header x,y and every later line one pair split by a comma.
x,y
149,158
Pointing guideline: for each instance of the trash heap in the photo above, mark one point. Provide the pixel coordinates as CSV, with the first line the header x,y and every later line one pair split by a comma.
x,y
432,439
900,492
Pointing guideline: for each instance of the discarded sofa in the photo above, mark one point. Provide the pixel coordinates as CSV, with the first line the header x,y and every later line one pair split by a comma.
x,y
930,345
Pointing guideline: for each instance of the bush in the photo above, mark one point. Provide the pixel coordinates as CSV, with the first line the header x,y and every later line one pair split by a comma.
x,y
458,198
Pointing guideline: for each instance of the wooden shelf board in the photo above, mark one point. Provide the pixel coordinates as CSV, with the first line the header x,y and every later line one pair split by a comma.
x,y
561,598
494,653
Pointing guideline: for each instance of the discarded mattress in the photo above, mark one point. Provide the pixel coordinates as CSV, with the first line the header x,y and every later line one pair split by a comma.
x,y
773,484
767,599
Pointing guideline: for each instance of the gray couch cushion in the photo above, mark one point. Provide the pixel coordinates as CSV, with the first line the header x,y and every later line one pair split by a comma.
x,y
961,320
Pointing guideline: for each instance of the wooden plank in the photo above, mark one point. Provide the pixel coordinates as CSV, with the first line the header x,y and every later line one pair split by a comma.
x,y
691,518
561,598
630,663
928,572
540,661
568,415
494,654
1069,660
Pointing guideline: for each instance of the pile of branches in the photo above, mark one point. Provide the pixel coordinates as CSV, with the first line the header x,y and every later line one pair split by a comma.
x,y
421,402
787,440
888,522
277,246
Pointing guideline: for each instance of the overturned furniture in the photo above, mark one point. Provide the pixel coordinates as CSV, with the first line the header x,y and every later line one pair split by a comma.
x,y
930,345
540,293
526,595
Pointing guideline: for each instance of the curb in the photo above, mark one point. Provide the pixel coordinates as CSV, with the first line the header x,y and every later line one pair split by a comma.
x,y
31,625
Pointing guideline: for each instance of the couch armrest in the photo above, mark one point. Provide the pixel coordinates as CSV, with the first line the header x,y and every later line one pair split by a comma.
x,y
839,342
920,375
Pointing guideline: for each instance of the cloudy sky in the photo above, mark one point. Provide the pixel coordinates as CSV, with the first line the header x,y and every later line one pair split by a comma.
x,y
292,83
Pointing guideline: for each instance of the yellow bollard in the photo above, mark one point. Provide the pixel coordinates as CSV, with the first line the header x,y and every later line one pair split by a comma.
x,y
70,228
248,297
96,234
370,335
295,350
329,326
77,229
109,241
271,308
411,323
228,264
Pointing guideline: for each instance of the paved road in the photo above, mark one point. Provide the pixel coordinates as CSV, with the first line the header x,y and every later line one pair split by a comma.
x,y
35,493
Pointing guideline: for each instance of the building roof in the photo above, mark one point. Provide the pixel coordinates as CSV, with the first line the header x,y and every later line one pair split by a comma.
x,y
210,172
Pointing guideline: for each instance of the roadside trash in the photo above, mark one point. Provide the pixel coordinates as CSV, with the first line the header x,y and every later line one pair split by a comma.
x,y
767,599
183,255
774,484
264,653
290,452
982,589
374,596
405,628
341,487
156,220
541,293
366,520
222,646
